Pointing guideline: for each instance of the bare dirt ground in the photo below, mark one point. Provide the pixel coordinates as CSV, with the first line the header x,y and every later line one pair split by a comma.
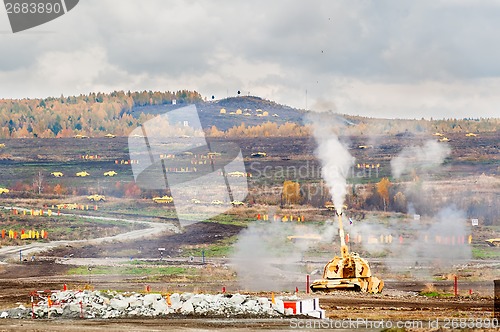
x,y
201,233
399,301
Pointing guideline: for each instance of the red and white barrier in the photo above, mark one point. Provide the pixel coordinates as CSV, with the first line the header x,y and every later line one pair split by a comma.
x,y
308,307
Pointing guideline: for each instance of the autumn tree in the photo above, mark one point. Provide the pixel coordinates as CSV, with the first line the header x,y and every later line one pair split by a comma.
x,y
400,203
383,190
59,189
291,193
132,190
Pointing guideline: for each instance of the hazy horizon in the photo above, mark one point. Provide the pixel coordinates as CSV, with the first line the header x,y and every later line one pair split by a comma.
x,y
386,59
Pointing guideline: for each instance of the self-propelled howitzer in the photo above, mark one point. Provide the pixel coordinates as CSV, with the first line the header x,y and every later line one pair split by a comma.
x,y
347,272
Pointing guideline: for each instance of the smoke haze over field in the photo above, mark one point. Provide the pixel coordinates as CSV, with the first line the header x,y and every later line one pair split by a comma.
x,y
439,241
264,259
420,158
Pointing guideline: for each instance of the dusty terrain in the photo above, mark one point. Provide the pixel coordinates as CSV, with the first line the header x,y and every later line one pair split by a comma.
x,y
401,299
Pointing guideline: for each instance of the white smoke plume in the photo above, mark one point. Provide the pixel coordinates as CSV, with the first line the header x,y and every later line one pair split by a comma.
x,y
420,158
265,259
334,156
441,242
429,245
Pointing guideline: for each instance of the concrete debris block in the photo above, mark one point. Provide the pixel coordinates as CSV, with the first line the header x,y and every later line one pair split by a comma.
x,y
71,310
19,313
264,301
176,306
134,302
201,310
175,302
149,299
160,307
103,305
237,299
39,311
251,306
187,308
186,296
317,314
97,306
197,299
56,311
279,306
219,300
119,304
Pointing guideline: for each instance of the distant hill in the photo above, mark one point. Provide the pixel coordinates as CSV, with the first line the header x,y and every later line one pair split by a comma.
x,y
252,110
120,112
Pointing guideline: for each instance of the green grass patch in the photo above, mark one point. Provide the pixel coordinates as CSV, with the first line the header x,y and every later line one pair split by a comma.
x,y
231,219
436,294
486,252
142,208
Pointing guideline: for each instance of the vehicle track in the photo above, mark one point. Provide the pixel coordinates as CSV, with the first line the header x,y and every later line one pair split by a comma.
x,y
12,252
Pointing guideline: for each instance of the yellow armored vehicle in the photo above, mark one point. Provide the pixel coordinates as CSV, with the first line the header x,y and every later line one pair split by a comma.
x,y
163,199
331,207
493,242
96,198
69,206
4,191
347,272
82,174
57,174
237,174
110,173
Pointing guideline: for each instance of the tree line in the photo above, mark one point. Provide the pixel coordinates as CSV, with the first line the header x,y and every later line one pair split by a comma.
x,y
91,115
96,114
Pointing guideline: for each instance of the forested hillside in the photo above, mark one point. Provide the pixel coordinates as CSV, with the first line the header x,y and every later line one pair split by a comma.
x,y
119,112
91,115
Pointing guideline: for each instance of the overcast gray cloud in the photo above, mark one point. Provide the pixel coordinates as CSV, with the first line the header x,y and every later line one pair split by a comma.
x,y
375,58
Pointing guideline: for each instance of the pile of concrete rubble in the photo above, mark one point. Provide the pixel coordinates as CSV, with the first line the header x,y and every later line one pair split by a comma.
x,y
97,304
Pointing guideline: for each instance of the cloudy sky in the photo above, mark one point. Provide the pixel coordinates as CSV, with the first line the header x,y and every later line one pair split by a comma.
x,y
406,59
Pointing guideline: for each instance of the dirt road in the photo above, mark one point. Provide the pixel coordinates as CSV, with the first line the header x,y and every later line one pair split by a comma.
x,y
12,252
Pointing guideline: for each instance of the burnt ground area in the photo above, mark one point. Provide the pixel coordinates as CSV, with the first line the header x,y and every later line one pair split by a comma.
x,y
196,234
21,159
